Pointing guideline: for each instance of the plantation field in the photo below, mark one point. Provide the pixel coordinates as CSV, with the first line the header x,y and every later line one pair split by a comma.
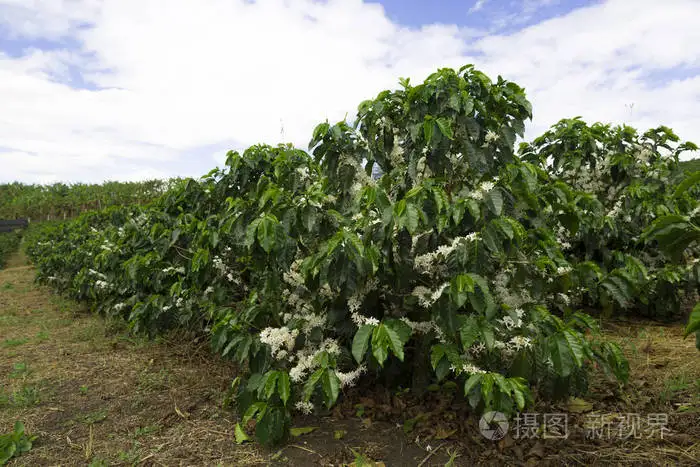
x,y
415,288
95,395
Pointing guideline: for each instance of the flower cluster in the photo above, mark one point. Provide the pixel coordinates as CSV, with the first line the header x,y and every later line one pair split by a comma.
x,y
102,285
483,190
491,136
427,261
510,323
307,361
304,407
179,270
281,340
225,271
467,368
514,297
350,379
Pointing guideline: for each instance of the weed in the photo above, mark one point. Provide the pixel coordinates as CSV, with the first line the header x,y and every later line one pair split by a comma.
x,y
27,396
142,431
133,455
42,336
98,462
154,381
673,386
93,417
19,370
14,342
15,443
361,460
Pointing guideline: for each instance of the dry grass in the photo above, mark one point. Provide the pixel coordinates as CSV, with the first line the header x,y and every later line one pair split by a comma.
x,y
96,395
93,394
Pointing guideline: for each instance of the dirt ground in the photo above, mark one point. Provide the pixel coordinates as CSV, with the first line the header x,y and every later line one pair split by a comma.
x,y
95,395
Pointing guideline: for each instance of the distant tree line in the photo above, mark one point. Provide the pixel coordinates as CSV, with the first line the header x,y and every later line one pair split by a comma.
x,y
692,165
63,201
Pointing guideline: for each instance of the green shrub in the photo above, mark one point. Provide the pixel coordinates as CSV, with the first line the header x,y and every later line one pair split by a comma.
x,y
9,244
316,276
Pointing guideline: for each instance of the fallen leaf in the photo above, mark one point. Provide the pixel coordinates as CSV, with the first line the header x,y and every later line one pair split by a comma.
x,y
302,430
443,433
241,436
577,405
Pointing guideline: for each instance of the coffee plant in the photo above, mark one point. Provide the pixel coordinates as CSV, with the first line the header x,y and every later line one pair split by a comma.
x,y
409,246
9,242
618,182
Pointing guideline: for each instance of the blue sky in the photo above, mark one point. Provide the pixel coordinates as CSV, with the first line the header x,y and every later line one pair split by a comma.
x,y
488,14
127,89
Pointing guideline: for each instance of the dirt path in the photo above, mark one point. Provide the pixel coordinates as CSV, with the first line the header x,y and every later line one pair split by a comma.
x,y
94,395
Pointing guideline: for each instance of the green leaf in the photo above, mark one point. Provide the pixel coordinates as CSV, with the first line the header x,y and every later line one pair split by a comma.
x,y
410,218
402,329
271,429
254,409
481,299
460,288
518,396
283,386
436,354
445,127
266,233
383,339
487,388
250,232
693,320
574,341
6,452
241,436
331,386
428,128
361,341
472,382
494,201
674,234
501,383
413,191
686,184
271,383
453,102
311,383
560,355
486,332
468,332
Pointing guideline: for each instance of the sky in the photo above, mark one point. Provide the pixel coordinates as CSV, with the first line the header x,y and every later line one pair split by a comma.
x,y
94,90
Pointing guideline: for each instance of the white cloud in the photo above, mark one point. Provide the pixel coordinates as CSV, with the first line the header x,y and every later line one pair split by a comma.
x,y
172,80
478,5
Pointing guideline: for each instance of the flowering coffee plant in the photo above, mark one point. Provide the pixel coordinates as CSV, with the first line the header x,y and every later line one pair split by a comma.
x,y
620,182
411,245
